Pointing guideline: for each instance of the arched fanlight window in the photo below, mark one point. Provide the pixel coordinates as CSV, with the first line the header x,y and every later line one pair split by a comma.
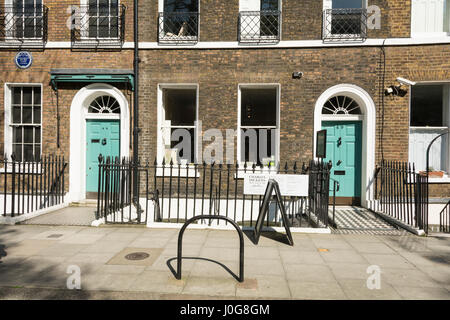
x,y
104,104
341,105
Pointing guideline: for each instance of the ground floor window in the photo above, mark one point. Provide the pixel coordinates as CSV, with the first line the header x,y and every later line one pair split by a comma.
x,y
23,122
429,117
178,124
258,125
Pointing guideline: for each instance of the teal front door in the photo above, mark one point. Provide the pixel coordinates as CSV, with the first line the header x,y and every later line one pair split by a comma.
x,y
344,149
102,137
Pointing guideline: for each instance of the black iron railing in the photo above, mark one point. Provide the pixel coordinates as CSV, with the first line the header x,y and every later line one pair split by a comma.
x,y
259,26
32,185
24,26
100,26
319,191
178,27
182,191
402,193
444,219
344,25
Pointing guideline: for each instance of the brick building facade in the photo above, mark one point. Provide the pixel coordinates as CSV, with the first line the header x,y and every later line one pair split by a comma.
x,y
217,56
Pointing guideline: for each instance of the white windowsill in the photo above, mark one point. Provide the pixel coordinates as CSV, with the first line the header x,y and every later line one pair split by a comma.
x,y
21,169
190,172
444,179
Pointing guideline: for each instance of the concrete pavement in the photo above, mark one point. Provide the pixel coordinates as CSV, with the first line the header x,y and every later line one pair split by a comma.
x,y
35,261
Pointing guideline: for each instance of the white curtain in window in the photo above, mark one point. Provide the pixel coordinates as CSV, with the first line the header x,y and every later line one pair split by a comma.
x,y
429,16
419,139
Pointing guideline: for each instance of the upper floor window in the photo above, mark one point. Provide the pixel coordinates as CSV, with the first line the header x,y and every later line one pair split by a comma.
x,y
178,21
345,20
430,16
98,22
259,20
23,20
23,122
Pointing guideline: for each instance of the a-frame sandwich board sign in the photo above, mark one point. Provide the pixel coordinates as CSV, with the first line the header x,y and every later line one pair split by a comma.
x,y
272,186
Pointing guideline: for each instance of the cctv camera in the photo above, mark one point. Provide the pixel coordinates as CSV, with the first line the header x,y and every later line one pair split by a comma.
x,y
406,81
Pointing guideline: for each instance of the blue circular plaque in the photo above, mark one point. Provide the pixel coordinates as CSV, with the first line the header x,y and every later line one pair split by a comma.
x,y
23,59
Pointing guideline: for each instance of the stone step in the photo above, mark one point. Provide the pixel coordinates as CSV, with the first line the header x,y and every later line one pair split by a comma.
x,y
84,203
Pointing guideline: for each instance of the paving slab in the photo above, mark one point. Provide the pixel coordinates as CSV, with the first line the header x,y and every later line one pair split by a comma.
x,y
346,270
296,257
419,293
210,286
118,282
371,247
158,282
337,255
316,290
406,277
275,287
75,216
388,260
309,273
358,290
263,267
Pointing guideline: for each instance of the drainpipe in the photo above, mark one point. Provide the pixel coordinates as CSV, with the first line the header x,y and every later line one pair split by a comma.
x,y
136,100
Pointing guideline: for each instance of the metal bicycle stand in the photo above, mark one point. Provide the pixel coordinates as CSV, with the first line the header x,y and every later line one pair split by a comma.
x,y
234,224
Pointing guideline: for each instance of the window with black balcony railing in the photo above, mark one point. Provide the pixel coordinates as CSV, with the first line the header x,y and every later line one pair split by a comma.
x,y
23,24
259,26
100,24
345,25
178,27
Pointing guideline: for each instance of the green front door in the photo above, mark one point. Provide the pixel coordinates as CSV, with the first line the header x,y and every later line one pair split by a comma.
x,y
344,149
102,137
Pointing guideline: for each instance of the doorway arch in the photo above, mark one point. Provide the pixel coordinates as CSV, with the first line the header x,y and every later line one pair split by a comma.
x,y
79,113
367,115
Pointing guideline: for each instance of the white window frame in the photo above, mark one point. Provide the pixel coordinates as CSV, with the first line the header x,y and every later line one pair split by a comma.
x,y
181,38
85,22
9,37
446,119
424,34
328,4
256,6
8,128
278,99
161,119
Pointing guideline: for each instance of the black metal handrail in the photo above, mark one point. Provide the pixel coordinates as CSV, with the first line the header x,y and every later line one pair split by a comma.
x,y
259,26
319,193
24,25
336,187
178,27
98,26
29,186
444,219
344,25
402,193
